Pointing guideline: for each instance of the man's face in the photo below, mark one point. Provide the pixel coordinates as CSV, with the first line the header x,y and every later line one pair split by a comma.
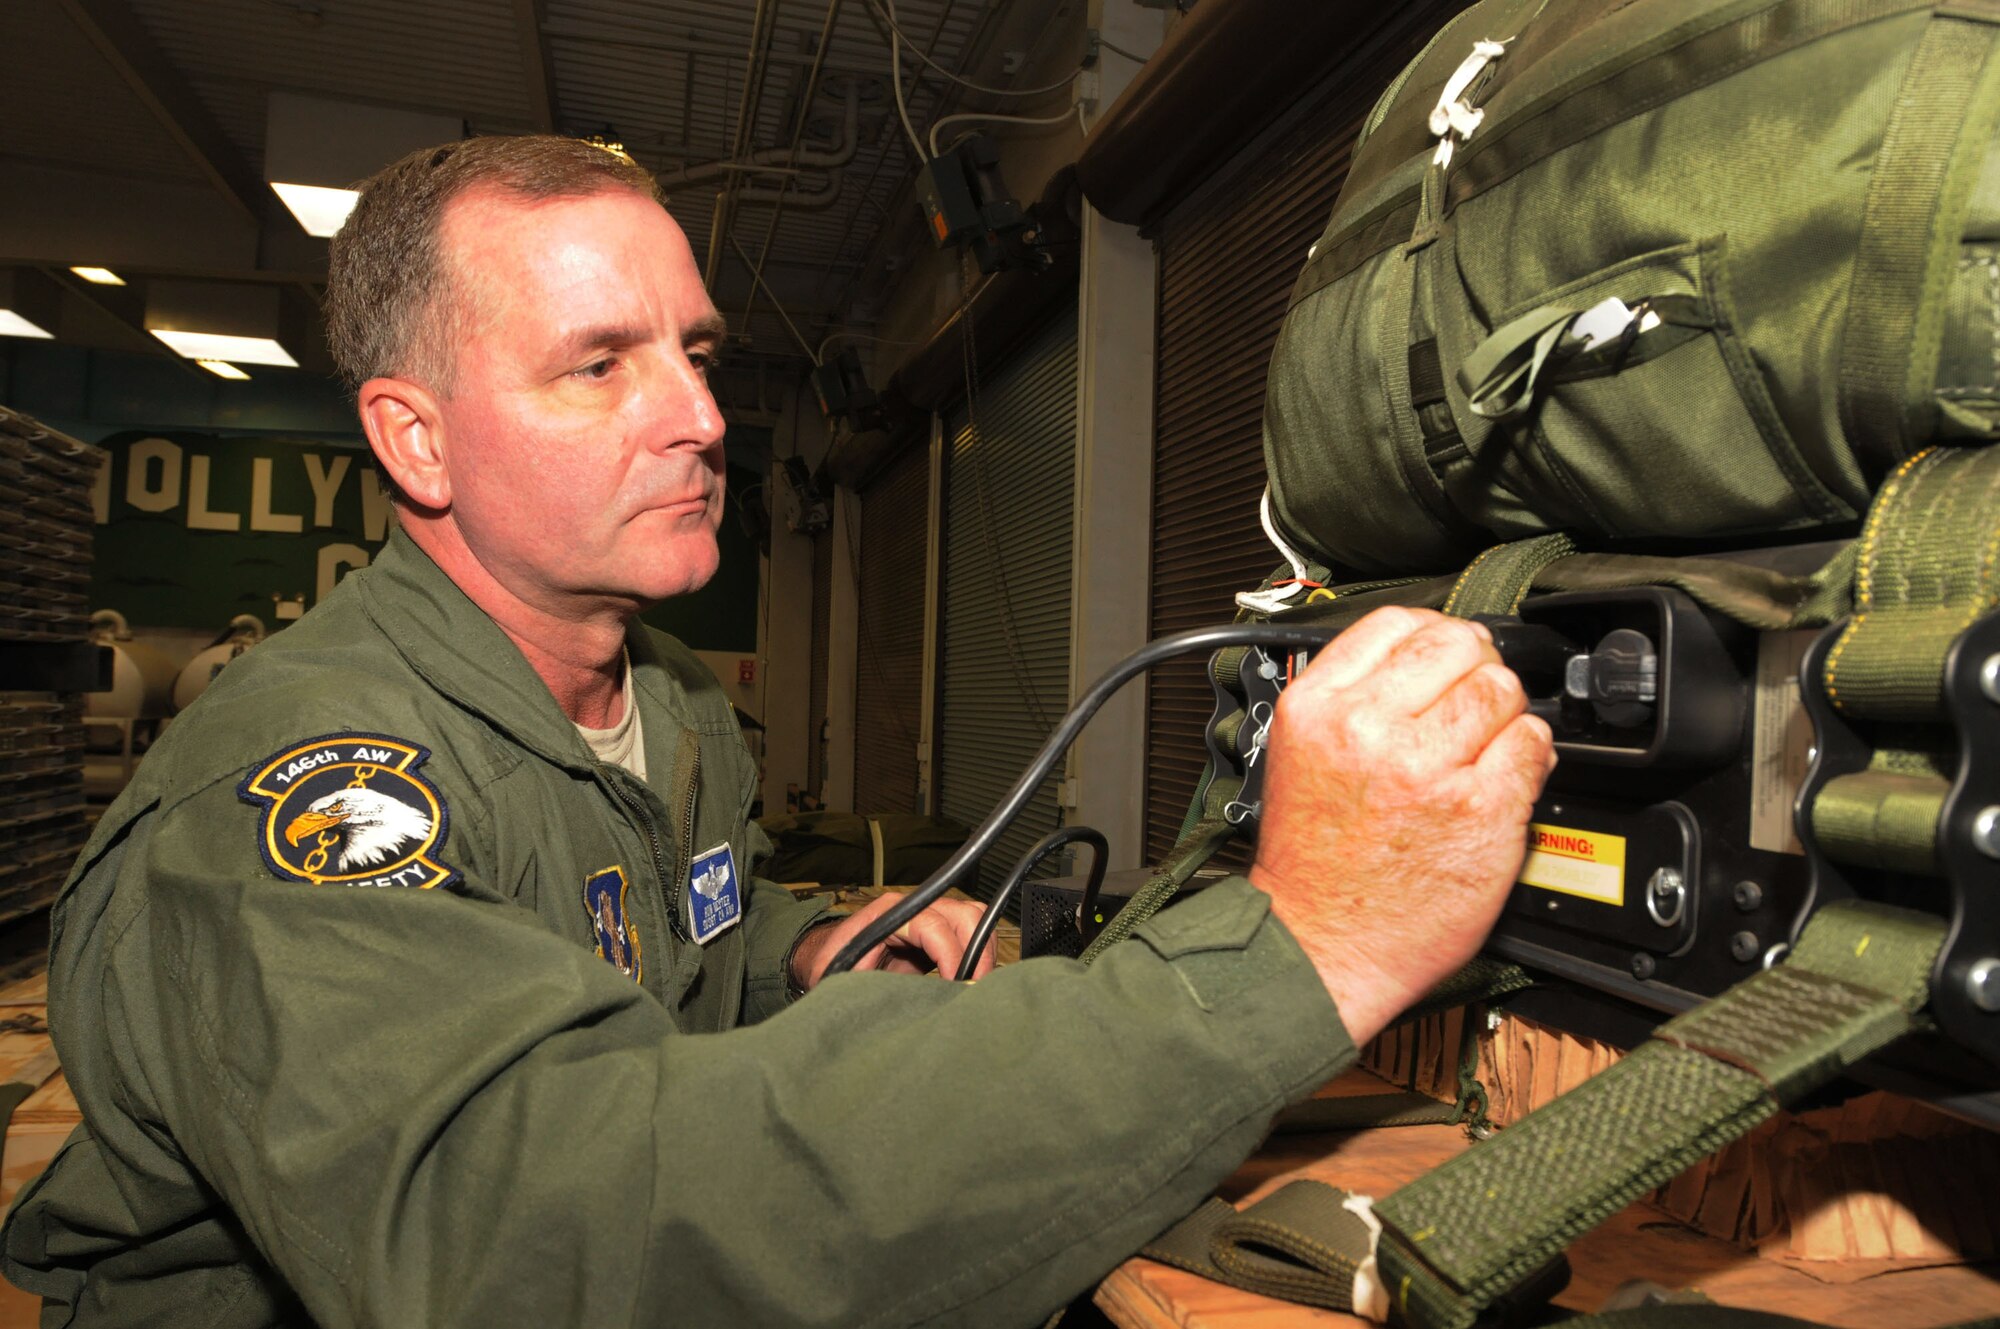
x,y
584,450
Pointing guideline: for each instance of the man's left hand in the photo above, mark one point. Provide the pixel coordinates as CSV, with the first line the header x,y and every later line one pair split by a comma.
x,y
932,942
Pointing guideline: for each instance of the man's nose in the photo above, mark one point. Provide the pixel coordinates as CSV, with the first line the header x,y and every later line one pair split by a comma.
x,y
686,409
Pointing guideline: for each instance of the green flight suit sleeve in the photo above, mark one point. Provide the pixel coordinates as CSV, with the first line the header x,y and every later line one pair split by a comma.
x,y
425,1108
773,919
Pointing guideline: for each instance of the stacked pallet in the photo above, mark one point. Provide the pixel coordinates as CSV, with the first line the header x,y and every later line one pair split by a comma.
x,y
1874,1184
46,664
39,1125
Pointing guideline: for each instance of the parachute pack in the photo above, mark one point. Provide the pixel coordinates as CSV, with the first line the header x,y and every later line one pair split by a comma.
x,y
1664,336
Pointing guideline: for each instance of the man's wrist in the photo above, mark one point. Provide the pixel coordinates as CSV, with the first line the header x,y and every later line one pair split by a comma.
x,y
1368,995
804,955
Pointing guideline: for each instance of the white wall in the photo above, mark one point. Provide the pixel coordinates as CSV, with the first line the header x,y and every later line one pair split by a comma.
x,y
1104,779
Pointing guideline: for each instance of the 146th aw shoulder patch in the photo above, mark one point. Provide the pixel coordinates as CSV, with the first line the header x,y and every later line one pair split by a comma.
x,y
350,809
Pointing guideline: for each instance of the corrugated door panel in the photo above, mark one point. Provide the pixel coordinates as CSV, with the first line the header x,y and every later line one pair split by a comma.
x,y
889,682
1227,262
1004,665
822,626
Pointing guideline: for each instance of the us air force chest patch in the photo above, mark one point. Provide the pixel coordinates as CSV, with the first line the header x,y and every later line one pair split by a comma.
x,y
617,939
715,900
350,809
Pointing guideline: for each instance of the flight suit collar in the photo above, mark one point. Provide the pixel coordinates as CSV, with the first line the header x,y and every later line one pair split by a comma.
x,y
459,650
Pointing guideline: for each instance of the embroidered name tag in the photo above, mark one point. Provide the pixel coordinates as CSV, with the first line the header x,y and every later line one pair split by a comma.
x,y
715,901
350,809
617,938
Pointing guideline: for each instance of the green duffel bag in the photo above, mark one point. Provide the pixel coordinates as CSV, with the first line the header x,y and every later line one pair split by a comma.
x,y
1661,270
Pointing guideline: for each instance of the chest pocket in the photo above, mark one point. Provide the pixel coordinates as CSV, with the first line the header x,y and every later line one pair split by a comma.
x,y
708,795
574,854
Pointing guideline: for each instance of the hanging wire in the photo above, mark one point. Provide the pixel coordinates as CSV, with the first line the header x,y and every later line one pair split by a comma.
x,y
1119,50
896,41
1010,119
898,33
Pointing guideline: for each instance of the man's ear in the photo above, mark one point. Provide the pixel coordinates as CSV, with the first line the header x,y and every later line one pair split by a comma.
x,y
405,429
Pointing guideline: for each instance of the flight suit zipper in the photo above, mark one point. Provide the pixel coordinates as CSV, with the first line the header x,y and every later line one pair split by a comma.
x,y
687,833
637,807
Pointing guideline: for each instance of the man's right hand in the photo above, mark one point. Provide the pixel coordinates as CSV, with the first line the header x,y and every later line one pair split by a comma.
x,y
1403,770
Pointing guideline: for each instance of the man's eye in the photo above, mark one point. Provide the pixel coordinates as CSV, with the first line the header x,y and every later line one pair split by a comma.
x,y
704,361
598,369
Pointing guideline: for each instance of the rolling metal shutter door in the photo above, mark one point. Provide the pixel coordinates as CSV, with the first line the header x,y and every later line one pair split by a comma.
x,y
822,628
1228,258
888,689
1010,476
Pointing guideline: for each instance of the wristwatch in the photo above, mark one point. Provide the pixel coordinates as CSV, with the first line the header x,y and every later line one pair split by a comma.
x,y
794,989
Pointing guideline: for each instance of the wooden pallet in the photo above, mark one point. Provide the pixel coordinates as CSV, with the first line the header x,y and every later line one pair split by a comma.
x,y
40,1124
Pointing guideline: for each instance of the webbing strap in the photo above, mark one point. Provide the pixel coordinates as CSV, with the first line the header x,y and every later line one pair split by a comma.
x,y
1498,580
1929,565
1195,848
1912,225
1358,1112
1882,819
1303,1242
1757,597
1483,980
1467,1234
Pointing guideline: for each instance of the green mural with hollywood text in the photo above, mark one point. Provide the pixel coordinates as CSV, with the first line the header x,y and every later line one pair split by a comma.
x,y
194,528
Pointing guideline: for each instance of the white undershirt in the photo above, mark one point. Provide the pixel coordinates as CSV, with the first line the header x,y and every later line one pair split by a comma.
x,y
623,744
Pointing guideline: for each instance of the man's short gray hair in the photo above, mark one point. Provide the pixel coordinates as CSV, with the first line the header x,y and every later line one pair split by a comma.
x,y
392,309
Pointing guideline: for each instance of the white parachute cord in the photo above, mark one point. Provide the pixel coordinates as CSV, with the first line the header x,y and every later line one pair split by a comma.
x,y
1266,602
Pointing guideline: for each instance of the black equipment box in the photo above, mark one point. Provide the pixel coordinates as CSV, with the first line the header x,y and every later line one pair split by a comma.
x,y
1666,859
1050,923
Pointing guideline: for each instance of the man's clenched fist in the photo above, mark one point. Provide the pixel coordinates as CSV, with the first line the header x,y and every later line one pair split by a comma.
x,y
1403,769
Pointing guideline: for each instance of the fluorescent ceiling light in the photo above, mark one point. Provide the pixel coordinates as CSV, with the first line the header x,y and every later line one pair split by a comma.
x,y
219,346
321,210
222,369
99,276
13,325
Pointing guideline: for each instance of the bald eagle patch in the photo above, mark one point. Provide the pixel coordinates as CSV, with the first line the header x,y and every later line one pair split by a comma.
x,y
351,809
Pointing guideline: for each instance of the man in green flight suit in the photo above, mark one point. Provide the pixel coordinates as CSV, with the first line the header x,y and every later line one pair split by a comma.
x,y
395,988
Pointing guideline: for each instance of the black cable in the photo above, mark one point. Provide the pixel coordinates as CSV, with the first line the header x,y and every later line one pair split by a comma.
x,y
1197,641
1100,852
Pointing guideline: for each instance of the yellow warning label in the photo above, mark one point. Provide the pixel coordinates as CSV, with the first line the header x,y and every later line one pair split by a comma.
x,y
1586,863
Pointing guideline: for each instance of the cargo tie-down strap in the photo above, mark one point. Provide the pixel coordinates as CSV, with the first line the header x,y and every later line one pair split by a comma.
x,y
1478,1230
1929,566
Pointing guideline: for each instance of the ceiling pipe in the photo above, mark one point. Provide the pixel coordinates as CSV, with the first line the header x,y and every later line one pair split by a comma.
x,y
792,196
635,41
833,155
798,136
762,25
